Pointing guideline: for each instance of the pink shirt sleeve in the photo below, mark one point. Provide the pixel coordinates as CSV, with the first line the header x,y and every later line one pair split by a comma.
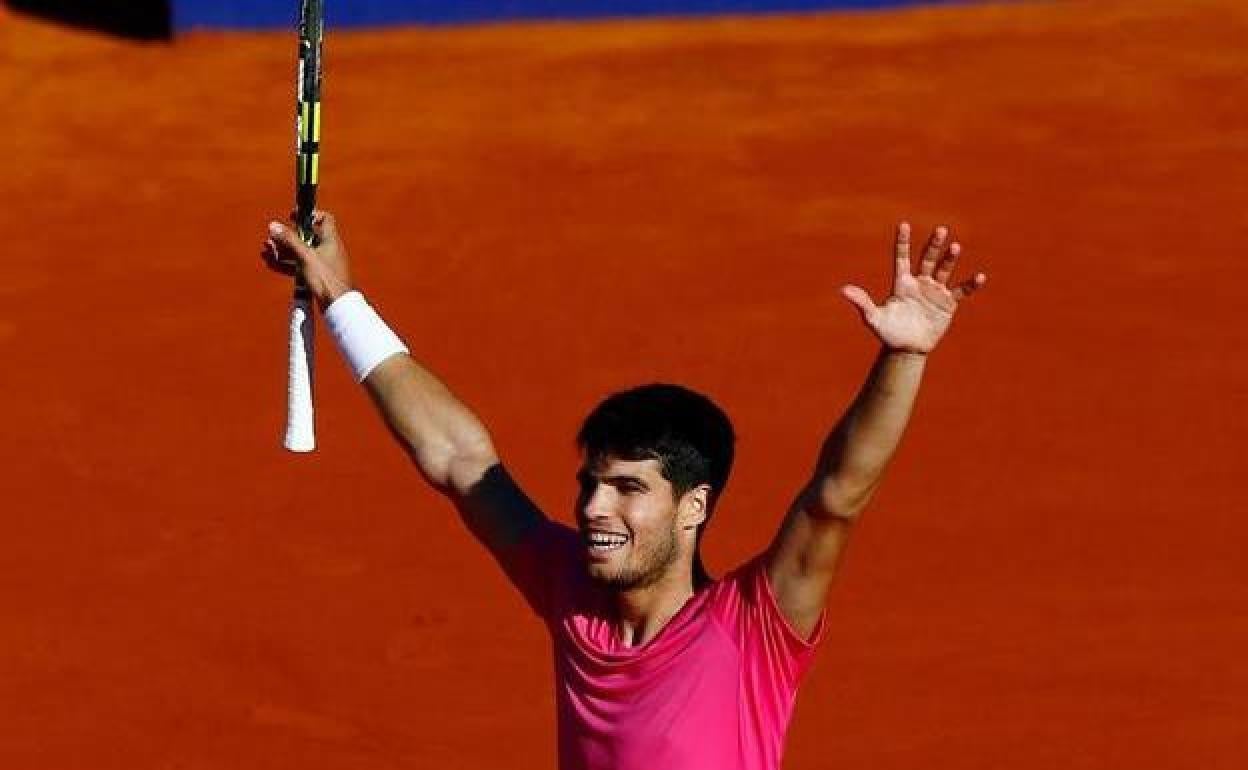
x,y
774,657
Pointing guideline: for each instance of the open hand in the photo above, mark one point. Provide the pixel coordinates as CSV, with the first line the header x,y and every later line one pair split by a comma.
x,y
921,307
324,267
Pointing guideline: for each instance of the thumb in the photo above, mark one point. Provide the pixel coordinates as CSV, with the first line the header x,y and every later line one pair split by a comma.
x,y
858,297
290,247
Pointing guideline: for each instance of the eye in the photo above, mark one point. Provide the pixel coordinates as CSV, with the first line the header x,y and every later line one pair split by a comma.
x,y
630,488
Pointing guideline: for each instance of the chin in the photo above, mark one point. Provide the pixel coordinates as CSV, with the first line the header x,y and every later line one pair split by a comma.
x,y
609,576
622,579
605,574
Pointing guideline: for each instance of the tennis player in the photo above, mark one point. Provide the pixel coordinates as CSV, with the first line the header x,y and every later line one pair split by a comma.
x,y
658,665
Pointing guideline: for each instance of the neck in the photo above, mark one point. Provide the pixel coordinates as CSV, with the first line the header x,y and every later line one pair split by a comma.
x,y
641,613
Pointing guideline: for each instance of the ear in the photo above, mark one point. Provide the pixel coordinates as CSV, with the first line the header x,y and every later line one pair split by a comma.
x,y
694,507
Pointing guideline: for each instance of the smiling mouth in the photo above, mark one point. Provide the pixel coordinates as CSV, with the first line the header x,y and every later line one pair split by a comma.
x,y
604,542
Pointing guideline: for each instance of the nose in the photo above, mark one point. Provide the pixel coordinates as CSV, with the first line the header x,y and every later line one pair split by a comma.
x,y
596,501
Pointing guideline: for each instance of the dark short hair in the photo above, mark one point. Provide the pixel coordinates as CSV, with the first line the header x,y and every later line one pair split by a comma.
x,y
685,431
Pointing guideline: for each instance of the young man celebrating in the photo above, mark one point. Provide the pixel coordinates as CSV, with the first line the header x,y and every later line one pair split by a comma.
x,y
657,665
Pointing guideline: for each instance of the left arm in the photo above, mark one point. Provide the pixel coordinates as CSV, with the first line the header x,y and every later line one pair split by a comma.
x,y
803,557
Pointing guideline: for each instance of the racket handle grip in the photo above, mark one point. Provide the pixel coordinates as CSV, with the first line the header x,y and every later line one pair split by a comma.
x,y
300,423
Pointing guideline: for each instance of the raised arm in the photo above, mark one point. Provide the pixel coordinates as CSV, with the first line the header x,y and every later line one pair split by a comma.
x,y
446,441
803,557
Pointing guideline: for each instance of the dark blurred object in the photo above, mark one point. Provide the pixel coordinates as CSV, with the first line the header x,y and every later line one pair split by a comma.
x,y
139,19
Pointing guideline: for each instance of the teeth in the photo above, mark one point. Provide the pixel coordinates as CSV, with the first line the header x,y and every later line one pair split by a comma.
x,y
605,540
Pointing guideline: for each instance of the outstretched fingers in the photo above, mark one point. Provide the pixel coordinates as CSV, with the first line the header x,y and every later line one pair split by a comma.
x,y
969,286
936,245
901,252
944,270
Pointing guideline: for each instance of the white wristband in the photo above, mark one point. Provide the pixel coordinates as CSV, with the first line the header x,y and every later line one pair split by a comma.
x,y
362,336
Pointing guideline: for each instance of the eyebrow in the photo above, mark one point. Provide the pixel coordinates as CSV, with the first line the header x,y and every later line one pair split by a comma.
x,y
626,479
584,475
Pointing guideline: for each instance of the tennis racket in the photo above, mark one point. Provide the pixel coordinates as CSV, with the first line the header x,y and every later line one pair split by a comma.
x,y
300,422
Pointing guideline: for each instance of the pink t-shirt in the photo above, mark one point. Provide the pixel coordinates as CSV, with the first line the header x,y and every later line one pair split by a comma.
x,y
714,690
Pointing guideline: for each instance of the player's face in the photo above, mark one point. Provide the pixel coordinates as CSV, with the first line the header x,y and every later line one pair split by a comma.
x,y
630,523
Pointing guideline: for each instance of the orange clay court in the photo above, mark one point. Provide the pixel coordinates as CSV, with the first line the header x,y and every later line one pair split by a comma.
x,y
1052,576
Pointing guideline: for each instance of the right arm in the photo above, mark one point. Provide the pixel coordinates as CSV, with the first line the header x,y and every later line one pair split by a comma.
x,y
453,451
447,442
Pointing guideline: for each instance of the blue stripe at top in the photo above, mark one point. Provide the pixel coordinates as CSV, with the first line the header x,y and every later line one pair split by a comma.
x,y
258,14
